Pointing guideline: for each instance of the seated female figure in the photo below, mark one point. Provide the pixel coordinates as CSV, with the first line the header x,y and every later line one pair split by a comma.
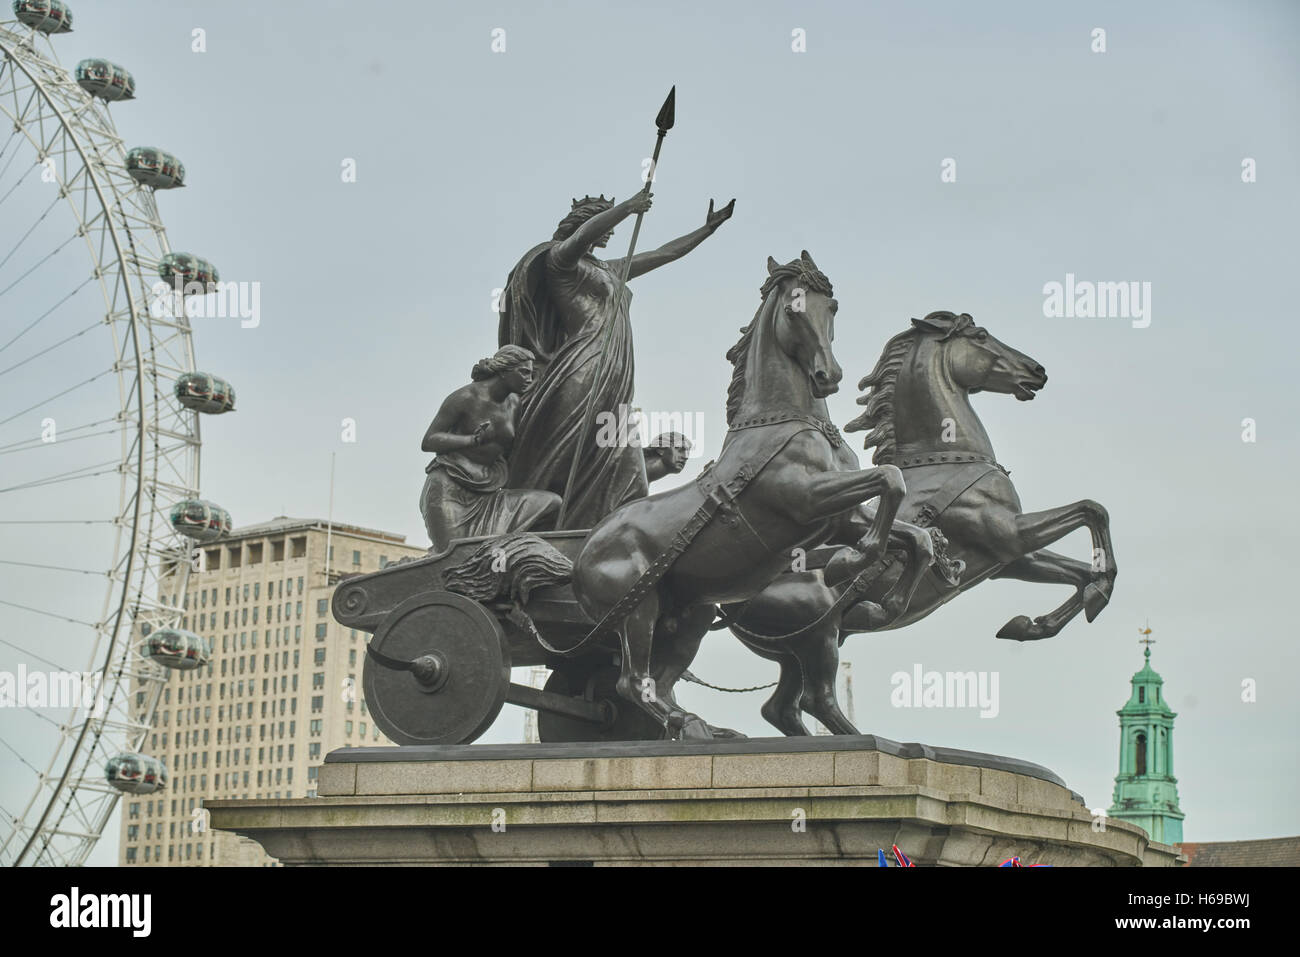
x,y
464,494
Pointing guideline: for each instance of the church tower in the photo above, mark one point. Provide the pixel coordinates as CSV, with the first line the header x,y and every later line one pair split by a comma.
x,y
1146,791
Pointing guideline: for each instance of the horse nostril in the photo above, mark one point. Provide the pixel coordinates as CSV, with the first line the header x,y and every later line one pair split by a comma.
x,y
1041,371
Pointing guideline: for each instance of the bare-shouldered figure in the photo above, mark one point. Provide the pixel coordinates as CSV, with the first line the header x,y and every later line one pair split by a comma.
x,y
464,494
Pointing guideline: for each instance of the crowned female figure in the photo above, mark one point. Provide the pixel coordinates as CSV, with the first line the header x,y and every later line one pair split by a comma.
x,y
466,493
565,305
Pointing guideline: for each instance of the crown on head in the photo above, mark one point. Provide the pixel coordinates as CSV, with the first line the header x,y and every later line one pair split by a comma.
x,y
587,200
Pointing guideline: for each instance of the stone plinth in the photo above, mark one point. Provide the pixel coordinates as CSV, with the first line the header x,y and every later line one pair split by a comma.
x,y
822,800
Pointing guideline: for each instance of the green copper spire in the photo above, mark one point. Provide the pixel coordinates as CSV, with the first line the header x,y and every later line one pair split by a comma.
x,y
1146,791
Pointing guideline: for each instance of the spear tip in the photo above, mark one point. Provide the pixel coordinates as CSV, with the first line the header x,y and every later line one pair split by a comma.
x,y
664,121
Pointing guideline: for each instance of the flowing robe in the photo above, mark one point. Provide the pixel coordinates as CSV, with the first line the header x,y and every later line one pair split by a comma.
x,y
463,498
565,317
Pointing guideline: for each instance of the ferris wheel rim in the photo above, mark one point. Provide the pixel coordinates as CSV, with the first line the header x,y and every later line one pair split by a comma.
x,y
132,543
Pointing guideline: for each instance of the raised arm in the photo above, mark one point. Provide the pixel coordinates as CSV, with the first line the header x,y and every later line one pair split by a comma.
x,y
566,253
675,249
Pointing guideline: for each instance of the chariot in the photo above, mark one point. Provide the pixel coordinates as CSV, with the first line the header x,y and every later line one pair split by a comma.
x,y
437,669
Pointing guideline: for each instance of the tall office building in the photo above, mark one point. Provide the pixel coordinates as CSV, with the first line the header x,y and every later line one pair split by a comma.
x,y
283,687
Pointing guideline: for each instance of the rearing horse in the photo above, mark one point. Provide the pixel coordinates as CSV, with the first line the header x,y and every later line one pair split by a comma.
x,y
920,419
654,568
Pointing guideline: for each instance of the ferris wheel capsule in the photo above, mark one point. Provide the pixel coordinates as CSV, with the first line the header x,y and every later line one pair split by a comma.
x,y
200,521
183,268
106,80
176,648
205,393
154,167
136,773
47,16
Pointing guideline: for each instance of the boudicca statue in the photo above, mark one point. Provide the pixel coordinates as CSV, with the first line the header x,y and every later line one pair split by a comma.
x,y
548,549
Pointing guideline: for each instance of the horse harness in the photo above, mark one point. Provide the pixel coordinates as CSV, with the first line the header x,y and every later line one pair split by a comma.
x,y
924,515
720,496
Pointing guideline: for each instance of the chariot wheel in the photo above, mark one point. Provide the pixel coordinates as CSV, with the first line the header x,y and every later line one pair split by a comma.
x,y
437,670
594,681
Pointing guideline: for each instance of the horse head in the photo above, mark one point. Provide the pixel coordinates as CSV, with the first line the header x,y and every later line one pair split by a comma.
x,y
925,376
784,356
804,321
980,362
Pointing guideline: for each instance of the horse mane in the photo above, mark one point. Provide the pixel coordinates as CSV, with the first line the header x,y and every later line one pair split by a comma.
x,y
811,278
878,416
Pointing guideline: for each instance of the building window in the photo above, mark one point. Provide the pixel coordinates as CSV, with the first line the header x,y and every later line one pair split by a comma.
x,y
317,704
1142,695
318,681
320,629
313,751
130,855
320,656
322,604
347,728
1141,754
315,727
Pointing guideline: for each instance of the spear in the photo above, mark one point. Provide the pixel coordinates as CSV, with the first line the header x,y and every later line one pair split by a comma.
x,y
664,123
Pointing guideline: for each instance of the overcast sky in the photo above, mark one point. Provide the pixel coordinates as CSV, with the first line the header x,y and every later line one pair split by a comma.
x,y
376,296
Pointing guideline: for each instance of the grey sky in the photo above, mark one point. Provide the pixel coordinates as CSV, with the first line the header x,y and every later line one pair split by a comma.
x,y
376,295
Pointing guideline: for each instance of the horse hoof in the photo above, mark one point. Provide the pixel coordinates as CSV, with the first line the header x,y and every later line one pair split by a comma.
x,y
1095,597
727,733
695,729
1019,628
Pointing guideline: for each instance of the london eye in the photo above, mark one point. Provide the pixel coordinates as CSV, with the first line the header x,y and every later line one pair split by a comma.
x,y
100,400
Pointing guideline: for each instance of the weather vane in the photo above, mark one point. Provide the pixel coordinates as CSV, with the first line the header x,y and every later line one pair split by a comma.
x,y
1146,639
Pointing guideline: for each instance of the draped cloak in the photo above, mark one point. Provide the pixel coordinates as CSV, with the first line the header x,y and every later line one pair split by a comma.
x,y
550,429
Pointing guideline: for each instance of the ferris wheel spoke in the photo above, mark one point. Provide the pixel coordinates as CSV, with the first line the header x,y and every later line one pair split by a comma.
x,y
36,355
55,568
19,756
39,263
59,521
48,614
32,654
31,229
46,314
13,132
13,156
71,475
32,445
57,395
10,191
23,445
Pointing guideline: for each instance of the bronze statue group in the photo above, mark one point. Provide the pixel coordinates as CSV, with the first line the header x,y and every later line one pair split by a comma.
x,y
784,539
